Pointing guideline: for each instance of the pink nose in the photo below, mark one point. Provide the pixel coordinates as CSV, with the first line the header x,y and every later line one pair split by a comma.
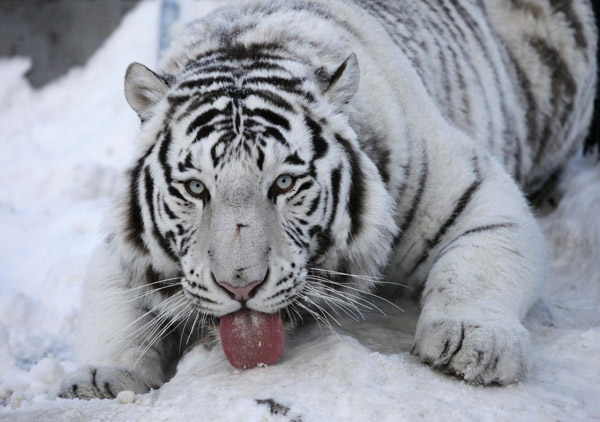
x,y
241,293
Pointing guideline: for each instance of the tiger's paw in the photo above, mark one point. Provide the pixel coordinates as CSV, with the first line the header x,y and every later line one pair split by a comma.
x,y
101,382
480,353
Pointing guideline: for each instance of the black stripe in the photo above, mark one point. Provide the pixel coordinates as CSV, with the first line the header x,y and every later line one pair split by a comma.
x,y
357,191
271,117
300,202
285,84
108,390
275,134
462,203
260,159
319,144
237,121
324,236
564,88
566,7
135,222
160,239
488,227
205,82
381,160
314,204
176,101
168,211
174,192
294,159
272,98
481,229
336,179
204,132
203,119
298,229
264,65
94,372
508,129
417,198
531,110
206,98
214,68
201,298
304,186
510,116
255,51
337,74
162,156
294,238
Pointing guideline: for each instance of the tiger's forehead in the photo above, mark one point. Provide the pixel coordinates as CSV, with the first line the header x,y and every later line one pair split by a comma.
x,y
235,110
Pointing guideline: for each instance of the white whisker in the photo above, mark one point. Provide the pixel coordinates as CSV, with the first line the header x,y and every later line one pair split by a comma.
x,y
158,331
190,313
192,329
323,310
334,301
364,277
167,280
376,279
154,290
354,300
164,302
355,289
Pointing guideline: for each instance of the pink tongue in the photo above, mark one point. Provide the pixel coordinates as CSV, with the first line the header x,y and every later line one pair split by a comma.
x,y
250,338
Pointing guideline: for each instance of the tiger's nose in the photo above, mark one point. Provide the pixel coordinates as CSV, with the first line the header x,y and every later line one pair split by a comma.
x,y
242,294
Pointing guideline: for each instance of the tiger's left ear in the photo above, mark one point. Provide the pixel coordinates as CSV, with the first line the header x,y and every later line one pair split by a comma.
x,y
343,83
143,89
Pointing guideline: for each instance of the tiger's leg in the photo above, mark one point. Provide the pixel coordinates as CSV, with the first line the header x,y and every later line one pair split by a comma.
x,y
480,286
113,339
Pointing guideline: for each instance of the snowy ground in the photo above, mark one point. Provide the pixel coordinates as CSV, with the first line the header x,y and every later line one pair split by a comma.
x,y
61,149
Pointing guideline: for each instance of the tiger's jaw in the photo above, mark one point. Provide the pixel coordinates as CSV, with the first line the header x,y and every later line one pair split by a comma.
x,y
250,326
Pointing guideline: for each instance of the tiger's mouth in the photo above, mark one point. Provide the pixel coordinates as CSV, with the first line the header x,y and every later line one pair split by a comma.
x,y
251,338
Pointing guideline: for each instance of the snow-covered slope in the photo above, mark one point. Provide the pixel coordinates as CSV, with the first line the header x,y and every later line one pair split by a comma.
x,y
60,150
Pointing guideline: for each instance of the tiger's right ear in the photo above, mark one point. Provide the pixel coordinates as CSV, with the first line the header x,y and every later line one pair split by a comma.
x,y
143,89
343,83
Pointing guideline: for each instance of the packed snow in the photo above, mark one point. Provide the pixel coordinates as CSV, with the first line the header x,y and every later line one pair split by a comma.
x,y
61,149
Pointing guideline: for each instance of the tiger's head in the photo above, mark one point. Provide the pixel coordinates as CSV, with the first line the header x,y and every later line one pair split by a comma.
x,y
251,181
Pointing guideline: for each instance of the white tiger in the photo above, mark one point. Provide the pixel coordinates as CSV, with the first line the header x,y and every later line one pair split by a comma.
x,y
285,142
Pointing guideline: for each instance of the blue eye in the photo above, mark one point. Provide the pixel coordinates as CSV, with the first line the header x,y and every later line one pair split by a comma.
x,y
284,182
195,188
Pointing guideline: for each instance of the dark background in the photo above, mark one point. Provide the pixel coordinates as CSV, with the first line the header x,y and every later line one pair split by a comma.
x,y
57,34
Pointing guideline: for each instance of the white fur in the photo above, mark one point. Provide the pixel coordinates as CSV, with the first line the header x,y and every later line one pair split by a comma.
x,y
479,274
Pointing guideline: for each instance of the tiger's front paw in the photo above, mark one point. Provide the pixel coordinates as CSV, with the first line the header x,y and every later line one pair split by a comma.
x,y
480,352
101,382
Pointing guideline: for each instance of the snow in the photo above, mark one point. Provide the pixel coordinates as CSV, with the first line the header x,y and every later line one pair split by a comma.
x,y
61,148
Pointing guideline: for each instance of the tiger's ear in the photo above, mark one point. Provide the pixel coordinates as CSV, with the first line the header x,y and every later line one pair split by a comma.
x,y
143,89
343,83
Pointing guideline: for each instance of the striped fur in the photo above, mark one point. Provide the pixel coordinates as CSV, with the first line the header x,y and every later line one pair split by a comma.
x,y
412,130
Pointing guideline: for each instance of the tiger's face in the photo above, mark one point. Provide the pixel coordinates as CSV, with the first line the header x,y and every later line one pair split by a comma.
x,y
252,178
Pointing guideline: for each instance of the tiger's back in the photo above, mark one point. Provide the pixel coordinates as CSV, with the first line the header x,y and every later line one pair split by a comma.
x,y
518,76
